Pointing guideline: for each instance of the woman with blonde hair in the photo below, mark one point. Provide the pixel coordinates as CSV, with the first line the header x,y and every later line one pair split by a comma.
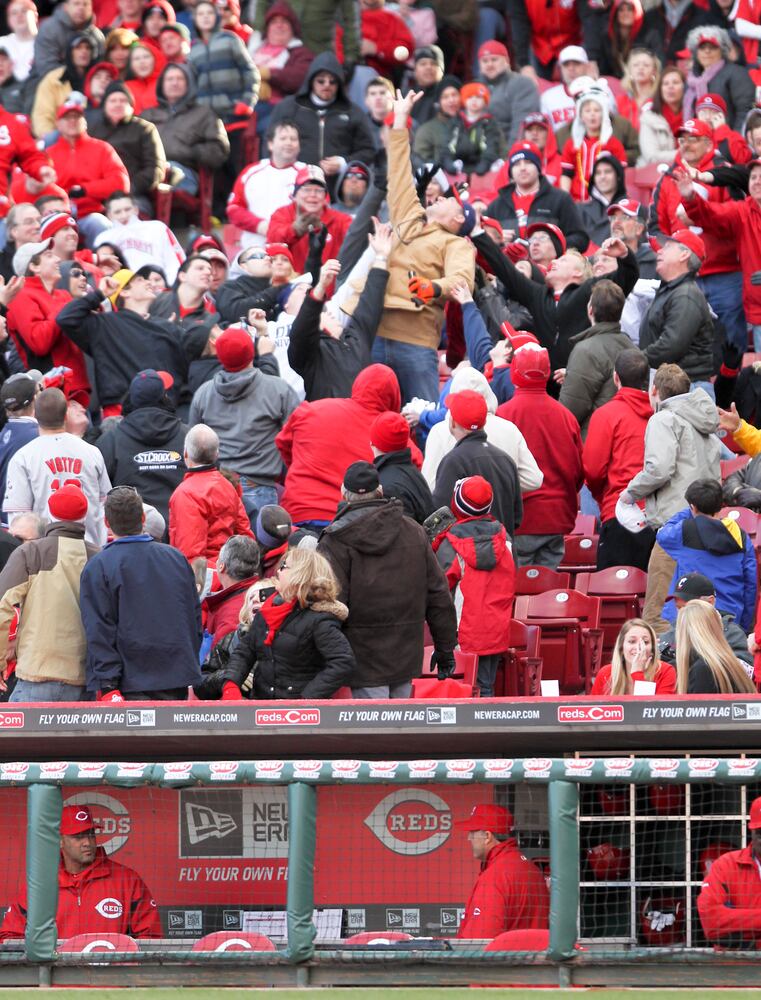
x,y
640,84
635,659
705,663
295,645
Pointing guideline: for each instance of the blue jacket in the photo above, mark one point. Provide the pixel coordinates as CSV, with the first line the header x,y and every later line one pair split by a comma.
x,y
478,345
720,550
142,617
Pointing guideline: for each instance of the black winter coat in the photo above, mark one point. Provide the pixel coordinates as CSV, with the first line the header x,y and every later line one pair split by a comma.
x,y
139,147
678,329
402,480
341,129
554,322
234,298
549,205
392,583
122,344
145,451
329,366
310,656
474,456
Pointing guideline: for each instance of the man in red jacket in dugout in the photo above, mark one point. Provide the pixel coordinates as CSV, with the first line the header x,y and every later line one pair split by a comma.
x,y
95,894
510,892
729,903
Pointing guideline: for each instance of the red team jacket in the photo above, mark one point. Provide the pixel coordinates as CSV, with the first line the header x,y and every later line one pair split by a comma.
x,y
729,903
510,894
17,146
106,898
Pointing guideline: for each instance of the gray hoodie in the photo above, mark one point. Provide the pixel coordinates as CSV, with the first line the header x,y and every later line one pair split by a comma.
x,y
247,409
680,447
54,37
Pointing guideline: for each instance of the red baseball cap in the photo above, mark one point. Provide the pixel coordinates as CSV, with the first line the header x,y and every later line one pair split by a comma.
x,y
694,126
713,101
690,240
492,48
554,232
628,206
76,819
754,821
235,349
468,409
684,54
487,816
310,175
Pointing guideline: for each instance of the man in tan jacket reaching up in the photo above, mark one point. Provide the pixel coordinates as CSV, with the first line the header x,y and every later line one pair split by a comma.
x,y
429,258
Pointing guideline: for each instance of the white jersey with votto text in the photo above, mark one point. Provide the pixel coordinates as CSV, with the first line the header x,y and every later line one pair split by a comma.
x,y
260,190
279,333
144,243
46,464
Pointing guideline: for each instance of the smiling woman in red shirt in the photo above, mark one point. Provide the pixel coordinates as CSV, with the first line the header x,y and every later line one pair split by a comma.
x,y
634,659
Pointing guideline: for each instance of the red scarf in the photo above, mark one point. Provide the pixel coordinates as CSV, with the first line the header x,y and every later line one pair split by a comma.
x,y
274,615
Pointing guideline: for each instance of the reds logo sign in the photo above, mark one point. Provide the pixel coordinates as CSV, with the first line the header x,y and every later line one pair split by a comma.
x,y
287,717
411,821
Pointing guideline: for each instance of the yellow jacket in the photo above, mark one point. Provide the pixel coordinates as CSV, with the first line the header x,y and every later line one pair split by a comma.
x,y
749,438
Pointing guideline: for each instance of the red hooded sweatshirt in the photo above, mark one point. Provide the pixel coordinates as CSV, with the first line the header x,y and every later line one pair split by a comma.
x,y
553,438
322,439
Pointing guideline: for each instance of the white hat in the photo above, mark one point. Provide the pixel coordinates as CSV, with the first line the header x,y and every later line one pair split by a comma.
x,y
573,53
25,253
630,516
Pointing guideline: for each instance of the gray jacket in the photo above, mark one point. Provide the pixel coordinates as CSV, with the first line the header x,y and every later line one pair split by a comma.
x,y
737,639
588,380
246,409
53,38
680,447
512,97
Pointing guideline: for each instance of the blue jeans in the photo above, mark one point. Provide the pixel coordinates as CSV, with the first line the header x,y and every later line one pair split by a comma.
x,y
92,226
708,386
491,24
757,338
724,293
189,182
37,691
255,497
416,368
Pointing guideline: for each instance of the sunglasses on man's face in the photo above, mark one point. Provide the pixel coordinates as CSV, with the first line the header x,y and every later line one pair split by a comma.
x,y
254,256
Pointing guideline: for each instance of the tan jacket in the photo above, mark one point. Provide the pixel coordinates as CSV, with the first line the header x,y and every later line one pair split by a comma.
x,y
42,578
423,247
51,92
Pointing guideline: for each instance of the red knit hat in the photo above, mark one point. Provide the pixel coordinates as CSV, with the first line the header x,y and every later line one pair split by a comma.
x,y
276,249
76,819
389,432
530,366
492,224
474,89
235,349
492,48
55,223
468,409
68,503
472,496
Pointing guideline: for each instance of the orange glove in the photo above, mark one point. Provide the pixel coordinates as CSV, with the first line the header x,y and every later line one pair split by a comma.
x,y
422,290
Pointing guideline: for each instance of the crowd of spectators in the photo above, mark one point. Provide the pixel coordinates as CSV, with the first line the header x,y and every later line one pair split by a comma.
x,y
470,272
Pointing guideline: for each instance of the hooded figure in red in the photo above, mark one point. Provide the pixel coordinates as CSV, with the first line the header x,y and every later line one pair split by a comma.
x,y
554,439
624,25
475,554
322,439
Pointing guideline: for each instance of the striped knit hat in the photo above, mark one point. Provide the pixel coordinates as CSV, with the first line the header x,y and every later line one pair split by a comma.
x,y
472,497
53,223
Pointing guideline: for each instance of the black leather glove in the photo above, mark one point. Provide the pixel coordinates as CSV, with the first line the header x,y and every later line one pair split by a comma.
x,y
747,496
732,356
443,663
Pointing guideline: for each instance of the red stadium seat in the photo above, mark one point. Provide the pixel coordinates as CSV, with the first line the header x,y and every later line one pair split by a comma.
x,y
580,554
537,579
466,667
520,672
378,937
84,944
198,207
430,687
642,181
571,639
233,941
621,590
585,524
731,465
747,519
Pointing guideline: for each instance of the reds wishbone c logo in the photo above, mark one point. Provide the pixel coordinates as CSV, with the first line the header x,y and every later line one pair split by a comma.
x,y
433,816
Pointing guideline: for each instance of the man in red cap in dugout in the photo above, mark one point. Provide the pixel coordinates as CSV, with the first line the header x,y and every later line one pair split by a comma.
x,y
510,892
729,903
95,894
